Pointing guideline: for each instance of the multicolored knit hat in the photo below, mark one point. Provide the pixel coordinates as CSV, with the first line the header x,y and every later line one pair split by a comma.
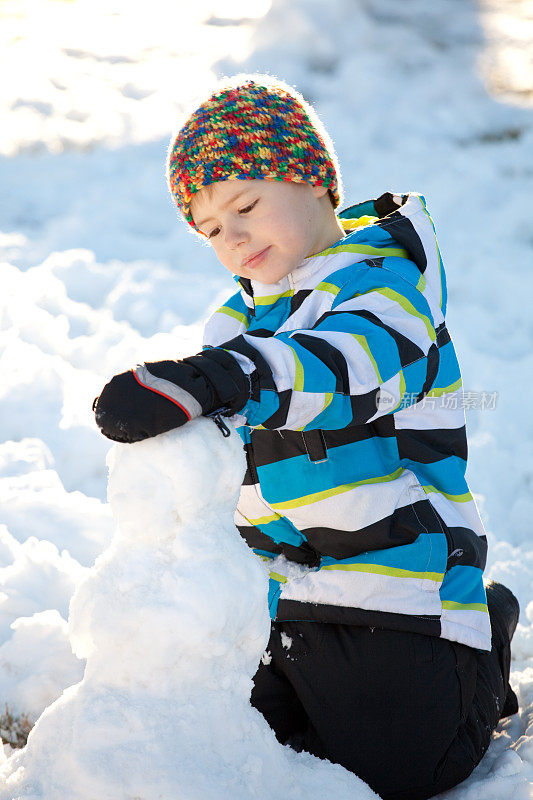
x,y
253,126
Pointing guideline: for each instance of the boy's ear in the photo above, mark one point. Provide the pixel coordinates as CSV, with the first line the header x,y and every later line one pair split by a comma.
x,y
319,191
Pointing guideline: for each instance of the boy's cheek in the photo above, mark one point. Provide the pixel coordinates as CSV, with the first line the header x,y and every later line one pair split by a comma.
x,y
227,263
220,254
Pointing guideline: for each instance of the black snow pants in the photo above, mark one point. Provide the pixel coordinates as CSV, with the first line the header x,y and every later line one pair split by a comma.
x,y
411,715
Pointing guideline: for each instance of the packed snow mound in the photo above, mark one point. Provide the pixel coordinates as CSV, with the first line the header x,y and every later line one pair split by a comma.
x,y
172,620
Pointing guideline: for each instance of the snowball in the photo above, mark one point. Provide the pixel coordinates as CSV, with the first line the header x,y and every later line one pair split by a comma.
x,y
37,578
37,663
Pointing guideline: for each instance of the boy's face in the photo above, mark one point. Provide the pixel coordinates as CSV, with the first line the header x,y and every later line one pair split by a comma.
x,y
263,229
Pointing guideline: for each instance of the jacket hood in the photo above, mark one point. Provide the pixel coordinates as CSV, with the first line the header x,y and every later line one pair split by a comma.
x,y
406,219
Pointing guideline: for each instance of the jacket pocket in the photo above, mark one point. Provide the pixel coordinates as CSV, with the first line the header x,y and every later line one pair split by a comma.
x,y
434,536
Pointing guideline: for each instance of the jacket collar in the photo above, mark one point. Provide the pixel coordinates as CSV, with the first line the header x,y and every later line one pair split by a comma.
x,y
288,284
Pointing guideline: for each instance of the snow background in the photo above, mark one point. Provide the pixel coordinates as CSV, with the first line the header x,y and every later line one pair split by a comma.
x,y
97,274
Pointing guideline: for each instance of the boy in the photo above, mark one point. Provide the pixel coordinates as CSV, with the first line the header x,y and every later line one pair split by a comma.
x,y
335,363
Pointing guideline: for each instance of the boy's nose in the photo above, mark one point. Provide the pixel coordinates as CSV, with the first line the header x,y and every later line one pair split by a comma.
x,y
235,235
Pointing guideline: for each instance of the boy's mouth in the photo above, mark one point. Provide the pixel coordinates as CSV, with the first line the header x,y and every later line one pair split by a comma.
x,y
255,258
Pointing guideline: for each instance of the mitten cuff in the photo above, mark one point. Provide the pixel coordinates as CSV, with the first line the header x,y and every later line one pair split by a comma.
x,y
229,383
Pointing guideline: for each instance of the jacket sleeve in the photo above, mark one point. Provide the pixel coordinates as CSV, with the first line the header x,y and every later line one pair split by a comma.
x,y
372,353
227,322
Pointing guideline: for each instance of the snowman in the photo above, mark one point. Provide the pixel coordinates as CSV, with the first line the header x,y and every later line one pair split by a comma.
x,y
172,621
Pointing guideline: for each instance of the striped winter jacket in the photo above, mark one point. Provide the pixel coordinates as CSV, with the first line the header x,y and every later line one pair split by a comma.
x,y
355,433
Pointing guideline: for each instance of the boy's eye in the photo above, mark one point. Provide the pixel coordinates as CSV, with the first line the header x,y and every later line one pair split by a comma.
x,y
248,208
245,210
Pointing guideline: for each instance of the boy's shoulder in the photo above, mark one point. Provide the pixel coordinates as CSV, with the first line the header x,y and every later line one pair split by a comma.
x,y
399,238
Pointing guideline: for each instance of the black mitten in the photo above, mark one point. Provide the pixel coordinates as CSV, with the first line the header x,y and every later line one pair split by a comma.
x,y
159,396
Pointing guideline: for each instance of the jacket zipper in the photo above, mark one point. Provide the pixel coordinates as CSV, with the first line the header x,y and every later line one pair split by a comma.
x,y
251,462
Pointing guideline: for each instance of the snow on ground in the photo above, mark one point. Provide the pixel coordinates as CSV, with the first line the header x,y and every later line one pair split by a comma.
x,y
97,274
172,621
